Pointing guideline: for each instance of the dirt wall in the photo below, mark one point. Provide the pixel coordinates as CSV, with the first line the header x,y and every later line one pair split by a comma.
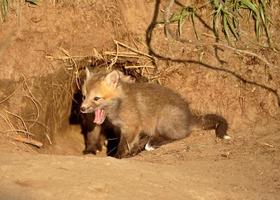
x,y
40,43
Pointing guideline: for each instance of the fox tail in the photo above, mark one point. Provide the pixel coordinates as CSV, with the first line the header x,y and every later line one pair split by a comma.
x,y
212,121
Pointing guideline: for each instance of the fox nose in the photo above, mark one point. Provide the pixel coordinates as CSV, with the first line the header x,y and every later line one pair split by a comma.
x,y
83,109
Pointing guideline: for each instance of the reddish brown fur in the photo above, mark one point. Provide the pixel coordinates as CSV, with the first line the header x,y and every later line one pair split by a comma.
x,y
145,108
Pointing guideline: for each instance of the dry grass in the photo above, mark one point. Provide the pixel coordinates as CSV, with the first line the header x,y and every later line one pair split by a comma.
x,y
125,58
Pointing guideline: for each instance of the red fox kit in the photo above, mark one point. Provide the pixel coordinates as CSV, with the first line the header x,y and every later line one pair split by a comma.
x,y
143,108
95,134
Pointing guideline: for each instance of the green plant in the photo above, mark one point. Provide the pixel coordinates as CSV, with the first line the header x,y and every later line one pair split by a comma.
x,y
228,11
226,15
181,15
4,6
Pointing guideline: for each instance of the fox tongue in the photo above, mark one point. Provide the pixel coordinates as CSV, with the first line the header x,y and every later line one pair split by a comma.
x,y
99,116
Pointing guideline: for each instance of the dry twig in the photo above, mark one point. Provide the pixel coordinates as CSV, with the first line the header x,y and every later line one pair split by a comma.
x,y
19,117
36,106
135,50
19,131
28,141
76,72
139,66
115,59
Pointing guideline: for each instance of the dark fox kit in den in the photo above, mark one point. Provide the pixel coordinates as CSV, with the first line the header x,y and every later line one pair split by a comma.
x,y
143,108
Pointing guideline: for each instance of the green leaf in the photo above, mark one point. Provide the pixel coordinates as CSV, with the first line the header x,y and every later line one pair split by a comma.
x,y
4,8
226,27
250,5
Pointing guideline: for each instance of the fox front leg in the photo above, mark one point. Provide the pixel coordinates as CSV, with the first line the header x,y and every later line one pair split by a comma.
x,y
94,141
123,148
129,139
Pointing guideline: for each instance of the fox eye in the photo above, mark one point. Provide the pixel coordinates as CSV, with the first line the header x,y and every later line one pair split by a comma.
x,y
96,98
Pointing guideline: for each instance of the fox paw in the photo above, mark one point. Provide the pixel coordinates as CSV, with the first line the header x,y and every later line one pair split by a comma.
x,y
226,137
148,147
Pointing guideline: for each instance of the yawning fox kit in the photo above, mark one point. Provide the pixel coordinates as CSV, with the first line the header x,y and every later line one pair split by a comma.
x,y
143,108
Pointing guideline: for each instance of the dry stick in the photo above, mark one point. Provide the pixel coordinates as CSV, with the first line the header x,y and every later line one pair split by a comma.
x,y
114,60
30,93
96,54
133,54
248,53
139,66
128,145
122,54
64,57
24,140
32,98
28,141
131,49
19,131
36,106
269,145
146,70
49,138
9,121
135,50
77,78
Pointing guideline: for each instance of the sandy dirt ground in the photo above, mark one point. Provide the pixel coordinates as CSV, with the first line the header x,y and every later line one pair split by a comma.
x,y
198,167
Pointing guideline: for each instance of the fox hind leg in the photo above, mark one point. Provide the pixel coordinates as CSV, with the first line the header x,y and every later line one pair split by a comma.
x,y
168,130
157,141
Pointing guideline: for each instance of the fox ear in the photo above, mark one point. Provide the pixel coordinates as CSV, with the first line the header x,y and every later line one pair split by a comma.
x,y
112,79
87,73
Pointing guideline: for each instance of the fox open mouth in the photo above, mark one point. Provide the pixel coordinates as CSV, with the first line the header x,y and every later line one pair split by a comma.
x,y
99,116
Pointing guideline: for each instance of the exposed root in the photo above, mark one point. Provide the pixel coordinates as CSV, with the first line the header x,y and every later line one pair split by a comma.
x,y
20,118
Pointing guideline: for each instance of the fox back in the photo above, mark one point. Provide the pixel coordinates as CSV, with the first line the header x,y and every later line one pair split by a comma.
x,y
143,105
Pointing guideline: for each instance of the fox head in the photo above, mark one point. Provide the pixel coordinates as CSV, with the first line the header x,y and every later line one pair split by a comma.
x,y
101,92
